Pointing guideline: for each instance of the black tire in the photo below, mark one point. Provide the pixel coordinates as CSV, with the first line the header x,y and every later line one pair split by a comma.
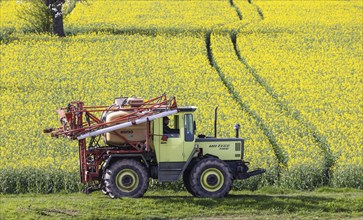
x,y
186,181
211,177
126,178
103,186
104,189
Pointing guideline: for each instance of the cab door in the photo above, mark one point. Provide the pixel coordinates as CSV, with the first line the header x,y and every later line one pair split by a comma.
x,y
171,148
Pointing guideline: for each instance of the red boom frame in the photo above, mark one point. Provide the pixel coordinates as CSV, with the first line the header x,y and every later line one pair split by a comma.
x,y
73,125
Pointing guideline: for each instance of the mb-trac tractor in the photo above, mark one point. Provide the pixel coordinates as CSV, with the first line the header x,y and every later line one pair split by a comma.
x,y
137,144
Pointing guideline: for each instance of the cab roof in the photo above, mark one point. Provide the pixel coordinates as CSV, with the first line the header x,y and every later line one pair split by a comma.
x,y
187,108
180,109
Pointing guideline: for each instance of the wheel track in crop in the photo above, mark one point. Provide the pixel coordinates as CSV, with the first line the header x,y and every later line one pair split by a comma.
x,y
239,13
259,10
320,139
279,152
294,113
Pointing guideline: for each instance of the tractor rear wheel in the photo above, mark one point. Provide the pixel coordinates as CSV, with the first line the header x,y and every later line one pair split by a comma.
x,y
211,177
126,178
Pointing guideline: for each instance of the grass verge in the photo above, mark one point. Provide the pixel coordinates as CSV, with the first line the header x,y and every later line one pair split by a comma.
x,y
271,203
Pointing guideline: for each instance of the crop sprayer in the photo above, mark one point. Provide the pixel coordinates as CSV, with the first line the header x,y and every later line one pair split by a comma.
x,y
133,140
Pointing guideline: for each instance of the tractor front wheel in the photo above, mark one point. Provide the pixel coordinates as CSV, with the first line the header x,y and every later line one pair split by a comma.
x,y
186,181
126,178
211,177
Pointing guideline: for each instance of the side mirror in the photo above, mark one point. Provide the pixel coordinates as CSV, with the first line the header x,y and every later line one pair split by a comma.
x,y
194,126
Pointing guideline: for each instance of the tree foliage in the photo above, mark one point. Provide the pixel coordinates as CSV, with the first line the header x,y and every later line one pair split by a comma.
x,y
36,15
45,15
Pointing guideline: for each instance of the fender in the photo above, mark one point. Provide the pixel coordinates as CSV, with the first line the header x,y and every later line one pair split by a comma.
x,y
109,160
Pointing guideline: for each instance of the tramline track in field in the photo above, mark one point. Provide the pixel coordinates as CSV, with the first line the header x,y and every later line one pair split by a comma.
x,y
313,132
279,153
283,134
293,141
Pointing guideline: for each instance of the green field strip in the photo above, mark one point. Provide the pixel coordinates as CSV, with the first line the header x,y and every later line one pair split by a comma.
x,y
267,203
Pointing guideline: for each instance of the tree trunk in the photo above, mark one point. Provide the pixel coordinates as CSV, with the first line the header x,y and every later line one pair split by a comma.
x,y
56,8
58,23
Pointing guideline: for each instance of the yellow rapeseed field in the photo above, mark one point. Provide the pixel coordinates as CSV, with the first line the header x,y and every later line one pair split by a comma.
x,y
289,72
315,65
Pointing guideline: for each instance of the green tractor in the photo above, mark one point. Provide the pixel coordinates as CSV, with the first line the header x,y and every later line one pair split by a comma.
x,y
134,140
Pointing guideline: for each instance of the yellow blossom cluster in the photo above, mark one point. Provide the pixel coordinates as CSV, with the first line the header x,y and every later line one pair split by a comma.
x,y
9,14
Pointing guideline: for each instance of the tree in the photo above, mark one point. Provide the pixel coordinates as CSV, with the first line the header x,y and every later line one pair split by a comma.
x,y
46,15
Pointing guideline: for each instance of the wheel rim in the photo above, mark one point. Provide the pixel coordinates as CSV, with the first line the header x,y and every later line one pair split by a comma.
x,y
127,180
212,179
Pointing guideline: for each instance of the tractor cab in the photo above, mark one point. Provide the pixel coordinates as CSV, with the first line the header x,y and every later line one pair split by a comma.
x,y
173,141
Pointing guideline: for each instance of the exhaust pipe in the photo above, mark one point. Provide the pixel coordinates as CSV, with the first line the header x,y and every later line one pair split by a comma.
x,y
215,121
237,127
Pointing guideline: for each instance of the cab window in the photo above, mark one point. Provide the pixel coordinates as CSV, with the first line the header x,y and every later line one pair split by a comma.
x,y
171,126
188,127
